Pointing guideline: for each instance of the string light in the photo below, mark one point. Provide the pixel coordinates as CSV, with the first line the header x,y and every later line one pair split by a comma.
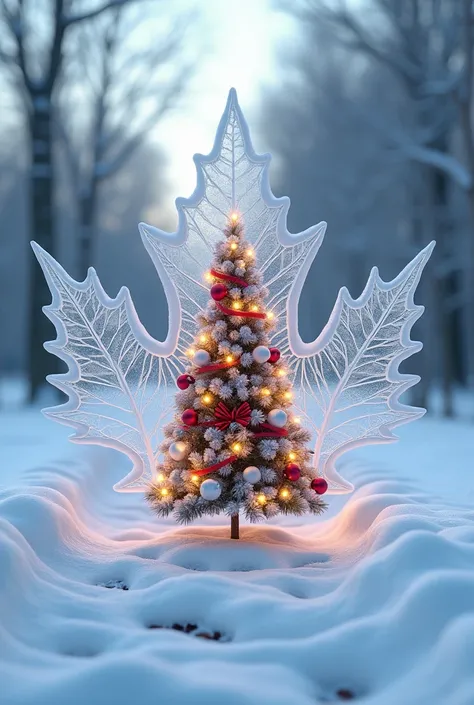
x,y
202,338
234,217
207,399
292,456
190,352
233,246
296,419
266,392
236,447
284,494
270,315
249,253
229,358
281,373
287,395
254,308
161,477
194,478
261,499
236,305
164,491
208,277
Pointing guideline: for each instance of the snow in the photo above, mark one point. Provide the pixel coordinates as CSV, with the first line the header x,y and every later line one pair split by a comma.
x,y
376,597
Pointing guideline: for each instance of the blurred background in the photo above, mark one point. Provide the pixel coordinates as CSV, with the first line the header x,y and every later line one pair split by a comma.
x,y
366,106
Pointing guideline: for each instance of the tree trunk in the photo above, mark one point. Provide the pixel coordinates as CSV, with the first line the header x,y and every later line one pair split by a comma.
x,y
234,526
87,230
40,363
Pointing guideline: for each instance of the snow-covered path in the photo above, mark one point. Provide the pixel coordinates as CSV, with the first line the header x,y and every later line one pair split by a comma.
x,y
375,600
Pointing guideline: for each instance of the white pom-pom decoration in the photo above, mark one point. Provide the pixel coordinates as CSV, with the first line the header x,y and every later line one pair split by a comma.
x,y
277,417
252,474
178,450
261,354
210,490
202,357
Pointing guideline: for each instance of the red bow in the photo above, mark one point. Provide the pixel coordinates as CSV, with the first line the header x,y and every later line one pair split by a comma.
x,y
225,416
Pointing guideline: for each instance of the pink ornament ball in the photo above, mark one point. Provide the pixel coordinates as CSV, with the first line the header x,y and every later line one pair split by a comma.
x,y
293,472
184,381
219,292
275,355
319,485
189,417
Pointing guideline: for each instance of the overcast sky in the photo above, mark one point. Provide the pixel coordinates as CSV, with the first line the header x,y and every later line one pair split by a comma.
x,y
239,43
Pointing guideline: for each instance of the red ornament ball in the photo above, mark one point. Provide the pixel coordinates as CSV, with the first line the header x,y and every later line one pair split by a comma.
x,y
319,485
189,417
293,472
275,355
184,381
219,292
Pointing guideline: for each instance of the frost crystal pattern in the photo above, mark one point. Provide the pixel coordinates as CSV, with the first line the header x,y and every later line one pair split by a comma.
x,y
121,382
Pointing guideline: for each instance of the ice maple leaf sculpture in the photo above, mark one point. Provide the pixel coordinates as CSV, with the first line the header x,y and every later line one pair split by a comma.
x,y
121,382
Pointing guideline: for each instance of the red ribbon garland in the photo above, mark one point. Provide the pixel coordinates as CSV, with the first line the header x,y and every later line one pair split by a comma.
x,y
229,277
216,366
238,313
241,414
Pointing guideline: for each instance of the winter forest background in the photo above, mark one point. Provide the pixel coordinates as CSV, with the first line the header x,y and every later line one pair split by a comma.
x,y
366,106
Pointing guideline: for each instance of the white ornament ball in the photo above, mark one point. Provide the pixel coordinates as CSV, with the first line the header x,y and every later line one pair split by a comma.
x,y
252,474
210,489
202,357
261,354
178,450
277,417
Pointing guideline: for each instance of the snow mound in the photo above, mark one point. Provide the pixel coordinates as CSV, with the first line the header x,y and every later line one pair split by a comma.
x,y
100,603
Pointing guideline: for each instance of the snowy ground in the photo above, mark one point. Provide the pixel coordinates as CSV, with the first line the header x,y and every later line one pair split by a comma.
x,y
373,603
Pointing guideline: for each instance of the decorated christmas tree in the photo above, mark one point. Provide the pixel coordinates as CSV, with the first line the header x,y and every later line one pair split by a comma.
x,y
235,445
252,392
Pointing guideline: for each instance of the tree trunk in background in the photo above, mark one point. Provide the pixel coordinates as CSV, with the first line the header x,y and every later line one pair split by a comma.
x,y
87,230
40,363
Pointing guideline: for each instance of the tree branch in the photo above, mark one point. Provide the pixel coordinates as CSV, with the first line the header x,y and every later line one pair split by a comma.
x,y
81,16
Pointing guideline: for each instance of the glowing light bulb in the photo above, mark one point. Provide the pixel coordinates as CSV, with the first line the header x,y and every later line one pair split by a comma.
x,y
261,499
207,399
161,477
233,246
270,315
229,358
288,395
254,308
202,338
284,494
236,305
281,373
266,392
208,277
164,491
234,217
194,478
249,253
190,352
296,419
236,447
292,456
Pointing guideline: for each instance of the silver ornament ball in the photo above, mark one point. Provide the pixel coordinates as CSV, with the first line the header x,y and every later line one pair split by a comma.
x,y
178,450
202,357
261,354
252,474
210,490
277,417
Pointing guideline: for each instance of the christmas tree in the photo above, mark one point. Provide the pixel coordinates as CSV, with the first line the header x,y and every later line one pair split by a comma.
x,y
234,444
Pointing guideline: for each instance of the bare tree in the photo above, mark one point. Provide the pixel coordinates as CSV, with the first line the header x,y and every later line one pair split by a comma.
x,y
33,47
419,42
127,92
